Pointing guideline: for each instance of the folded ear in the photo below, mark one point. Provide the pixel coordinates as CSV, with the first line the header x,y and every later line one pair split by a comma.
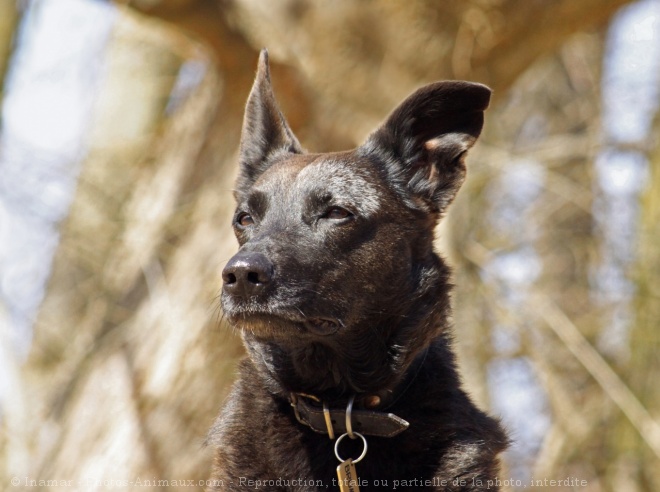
x,y
424,141
265,131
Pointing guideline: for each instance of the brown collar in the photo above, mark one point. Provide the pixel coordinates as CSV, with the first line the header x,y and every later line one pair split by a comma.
x,y
316,414
311,412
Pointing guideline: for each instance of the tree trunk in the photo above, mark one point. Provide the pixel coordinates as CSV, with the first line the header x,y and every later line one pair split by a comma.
x,y
13,423
126,319
634,466
9,17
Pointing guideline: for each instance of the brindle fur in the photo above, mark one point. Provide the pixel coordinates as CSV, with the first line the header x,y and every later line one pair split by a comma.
x,y
355,304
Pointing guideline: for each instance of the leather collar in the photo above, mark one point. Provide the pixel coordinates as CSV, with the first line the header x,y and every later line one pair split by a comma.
x,y
310,412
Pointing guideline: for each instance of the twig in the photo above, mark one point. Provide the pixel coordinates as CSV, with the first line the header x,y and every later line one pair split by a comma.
x,y
587,355
601,371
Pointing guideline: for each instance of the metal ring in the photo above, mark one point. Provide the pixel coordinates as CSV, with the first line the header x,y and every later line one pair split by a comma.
x,y
364,451
349,411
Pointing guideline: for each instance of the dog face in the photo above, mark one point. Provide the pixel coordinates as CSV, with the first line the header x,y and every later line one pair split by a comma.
x,y
335,246
316,232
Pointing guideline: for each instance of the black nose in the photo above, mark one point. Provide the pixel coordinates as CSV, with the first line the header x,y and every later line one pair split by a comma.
x,y
247,274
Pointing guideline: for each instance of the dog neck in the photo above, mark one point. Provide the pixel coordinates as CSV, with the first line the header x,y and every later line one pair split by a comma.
x,y
333,372
371,358
367,413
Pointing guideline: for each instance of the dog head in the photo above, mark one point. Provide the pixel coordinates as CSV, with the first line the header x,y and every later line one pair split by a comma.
x,y
339,247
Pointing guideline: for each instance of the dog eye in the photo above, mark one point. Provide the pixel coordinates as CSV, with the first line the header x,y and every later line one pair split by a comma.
x,y
244,219
336,213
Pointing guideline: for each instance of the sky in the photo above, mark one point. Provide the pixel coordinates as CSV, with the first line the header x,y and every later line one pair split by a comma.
x,y
49,95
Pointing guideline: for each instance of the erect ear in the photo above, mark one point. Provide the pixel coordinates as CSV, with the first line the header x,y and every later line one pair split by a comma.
x,y
424,141
265,131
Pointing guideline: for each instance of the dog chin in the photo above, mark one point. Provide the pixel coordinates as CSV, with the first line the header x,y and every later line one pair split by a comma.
x,y
278,326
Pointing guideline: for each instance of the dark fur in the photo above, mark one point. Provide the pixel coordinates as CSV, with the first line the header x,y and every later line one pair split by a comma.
x,y
352,305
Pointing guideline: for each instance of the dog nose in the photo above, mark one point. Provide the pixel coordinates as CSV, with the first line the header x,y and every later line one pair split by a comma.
x,y
247,274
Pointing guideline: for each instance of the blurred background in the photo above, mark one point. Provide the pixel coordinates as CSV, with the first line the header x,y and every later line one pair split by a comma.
x,y
119,128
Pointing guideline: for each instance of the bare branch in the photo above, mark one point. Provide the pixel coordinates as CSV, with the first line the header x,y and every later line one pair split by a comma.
x,y
601,371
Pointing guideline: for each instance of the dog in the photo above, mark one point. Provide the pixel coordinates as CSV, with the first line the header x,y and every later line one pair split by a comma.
x,y
344,307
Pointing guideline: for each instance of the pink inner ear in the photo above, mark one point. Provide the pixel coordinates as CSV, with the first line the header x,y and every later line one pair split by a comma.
x,y
433,173
432,144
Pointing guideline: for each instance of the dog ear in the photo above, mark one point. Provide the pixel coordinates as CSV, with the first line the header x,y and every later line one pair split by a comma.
x,y
265,131
424,141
